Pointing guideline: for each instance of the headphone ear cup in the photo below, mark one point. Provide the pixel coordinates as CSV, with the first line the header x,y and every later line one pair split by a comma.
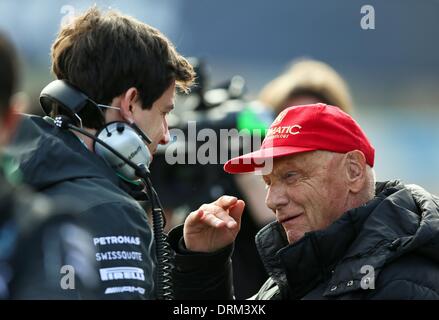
x,y
124,139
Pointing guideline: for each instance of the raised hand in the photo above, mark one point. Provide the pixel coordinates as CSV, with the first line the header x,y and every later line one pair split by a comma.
x,y
213,226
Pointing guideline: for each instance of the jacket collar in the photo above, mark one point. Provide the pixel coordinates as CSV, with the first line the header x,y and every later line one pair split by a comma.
x,y
364,236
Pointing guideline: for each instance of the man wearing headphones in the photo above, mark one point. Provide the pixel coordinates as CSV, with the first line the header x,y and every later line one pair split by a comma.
x,y
38,258
131,70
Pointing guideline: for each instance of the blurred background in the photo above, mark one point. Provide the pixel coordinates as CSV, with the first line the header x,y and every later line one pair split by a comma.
x,y
392,71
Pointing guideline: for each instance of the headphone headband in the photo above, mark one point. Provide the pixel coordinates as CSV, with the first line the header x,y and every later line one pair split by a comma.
x,y
68,97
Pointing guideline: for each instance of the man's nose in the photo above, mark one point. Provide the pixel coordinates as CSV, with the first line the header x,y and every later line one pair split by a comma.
x,y
276,197
166,137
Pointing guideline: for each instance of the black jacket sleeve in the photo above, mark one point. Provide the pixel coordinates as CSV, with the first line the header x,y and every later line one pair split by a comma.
x,y
201,276
54,260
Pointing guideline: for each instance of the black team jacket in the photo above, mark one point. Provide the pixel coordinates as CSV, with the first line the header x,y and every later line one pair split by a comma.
x,y
56,163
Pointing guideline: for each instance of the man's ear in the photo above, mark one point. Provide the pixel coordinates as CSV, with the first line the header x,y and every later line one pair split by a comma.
x,y
127,103
355,162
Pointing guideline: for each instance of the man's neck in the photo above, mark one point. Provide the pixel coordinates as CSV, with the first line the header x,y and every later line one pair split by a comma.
x,y
357,200
88,142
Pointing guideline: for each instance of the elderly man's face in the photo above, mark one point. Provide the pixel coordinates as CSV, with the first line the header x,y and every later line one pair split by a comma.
x,y
307,191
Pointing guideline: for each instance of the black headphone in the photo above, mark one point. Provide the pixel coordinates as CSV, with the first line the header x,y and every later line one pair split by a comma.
x,y
126,138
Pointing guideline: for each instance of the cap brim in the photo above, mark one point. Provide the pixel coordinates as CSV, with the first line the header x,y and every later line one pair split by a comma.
x,y
253,161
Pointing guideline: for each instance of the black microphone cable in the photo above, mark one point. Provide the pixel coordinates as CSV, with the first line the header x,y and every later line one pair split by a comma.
x,y
164,253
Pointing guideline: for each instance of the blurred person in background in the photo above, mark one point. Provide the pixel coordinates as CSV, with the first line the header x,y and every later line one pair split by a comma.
x,y
131,70
307,81
45,253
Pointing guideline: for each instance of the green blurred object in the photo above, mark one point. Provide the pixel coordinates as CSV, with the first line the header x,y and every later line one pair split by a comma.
x,y
11,170
254,118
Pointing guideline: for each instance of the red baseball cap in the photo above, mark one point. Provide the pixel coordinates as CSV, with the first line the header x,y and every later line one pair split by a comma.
x,y
306,128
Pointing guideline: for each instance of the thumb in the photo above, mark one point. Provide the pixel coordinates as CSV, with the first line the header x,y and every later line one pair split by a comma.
x,y
225,202
236,211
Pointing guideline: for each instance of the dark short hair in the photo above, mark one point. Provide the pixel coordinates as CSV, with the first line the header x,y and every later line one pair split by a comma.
x,y
104,54
8,72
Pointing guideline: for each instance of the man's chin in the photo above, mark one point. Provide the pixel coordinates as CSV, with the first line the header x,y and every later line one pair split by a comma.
x,y
294,236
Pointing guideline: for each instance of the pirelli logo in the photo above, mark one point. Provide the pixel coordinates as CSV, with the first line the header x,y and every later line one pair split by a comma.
x,y
120,273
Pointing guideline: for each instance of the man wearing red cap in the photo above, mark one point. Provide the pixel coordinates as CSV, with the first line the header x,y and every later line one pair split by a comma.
x,y
337,233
